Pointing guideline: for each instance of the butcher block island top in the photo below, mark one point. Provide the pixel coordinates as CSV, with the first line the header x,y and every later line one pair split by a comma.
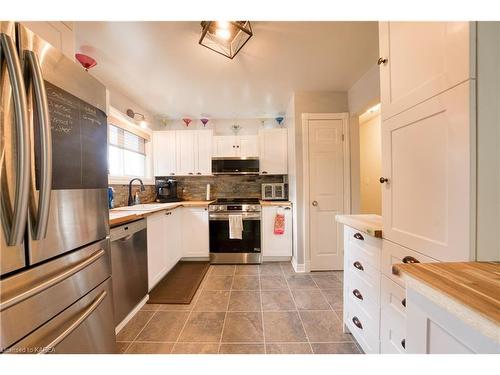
x,y
123,215
370,224
475,285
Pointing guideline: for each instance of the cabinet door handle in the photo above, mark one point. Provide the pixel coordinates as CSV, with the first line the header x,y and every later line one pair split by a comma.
x,y
381,61
198,173
264,172
403,302
357,323
403,343
359,236
287,208
357,294
315,203
234,146
410,260
190,173
172,174
358,265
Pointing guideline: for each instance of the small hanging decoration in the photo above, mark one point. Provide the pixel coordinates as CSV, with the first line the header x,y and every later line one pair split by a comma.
x,y
204,121
86,61
187,121
279,120
236,129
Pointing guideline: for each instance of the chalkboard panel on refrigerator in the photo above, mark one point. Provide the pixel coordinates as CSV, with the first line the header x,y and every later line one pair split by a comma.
x,y
79,142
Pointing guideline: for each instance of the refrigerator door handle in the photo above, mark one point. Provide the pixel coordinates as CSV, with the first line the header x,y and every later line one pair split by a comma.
x,y
34,74
15,234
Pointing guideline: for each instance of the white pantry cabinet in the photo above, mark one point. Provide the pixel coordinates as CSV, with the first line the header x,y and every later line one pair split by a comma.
x,y
276,245
164,153
419,60
244,146
273,150
194,229
426,158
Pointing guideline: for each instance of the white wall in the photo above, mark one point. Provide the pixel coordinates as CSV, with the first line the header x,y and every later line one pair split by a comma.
x,y
370,166
290,123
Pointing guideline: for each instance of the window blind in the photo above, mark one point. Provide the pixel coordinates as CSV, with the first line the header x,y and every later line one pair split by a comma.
x,y
123,139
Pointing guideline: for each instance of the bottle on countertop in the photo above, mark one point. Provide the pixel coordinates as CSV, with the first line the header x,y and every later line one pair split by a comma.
x,y
111,197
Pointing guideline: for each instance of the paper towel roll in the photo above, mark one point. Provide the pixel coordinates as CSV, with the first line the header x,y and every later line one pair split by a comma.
x,y
208,192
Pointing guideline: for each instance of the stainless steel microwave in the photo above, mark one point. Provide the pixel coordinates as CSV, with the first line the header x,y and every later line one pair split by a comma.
x,y
235,165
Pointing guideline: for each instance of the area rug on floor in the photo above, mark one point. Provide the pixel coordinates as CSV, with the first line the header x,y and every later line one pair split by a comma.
x,y
180,284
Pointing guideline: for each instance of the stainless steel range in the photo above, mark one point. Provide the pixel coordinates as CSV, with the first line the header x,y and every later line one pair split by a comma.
x,y
224,249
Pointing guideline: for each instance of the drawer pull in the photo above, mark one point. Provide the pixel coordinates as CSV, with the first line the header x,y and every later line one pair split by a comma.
x,y
357,323
358,265
409,259
403,343
357,294
403,302
359,236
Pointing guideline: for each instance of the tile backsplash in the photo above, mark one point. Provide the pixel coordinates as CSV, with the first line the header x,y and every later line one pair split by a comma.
x,y
194,188
222,186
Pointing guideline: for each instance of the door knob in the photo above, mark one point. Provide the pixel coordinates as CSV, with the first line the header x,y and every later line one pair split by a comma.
x,y
381,61
383,179
315,203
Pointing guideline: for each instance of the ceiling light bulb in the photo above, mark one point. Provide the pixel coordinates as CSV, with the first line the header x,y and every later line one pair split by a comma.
x,y
223,25
223,33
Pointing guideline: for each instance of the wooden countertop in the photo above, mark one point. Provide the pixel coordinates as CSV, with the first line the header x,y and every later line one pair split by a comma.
x,y
275,203
118,217
475,285
370,224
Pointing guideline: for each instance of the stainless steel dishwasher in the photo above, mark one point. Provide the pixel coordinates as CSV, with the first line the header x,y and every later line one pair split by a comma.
x,y
129,267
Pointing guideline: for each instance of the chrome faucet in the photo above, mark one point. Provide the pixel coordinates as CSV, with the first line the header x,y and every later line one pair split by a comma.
x,y
130,198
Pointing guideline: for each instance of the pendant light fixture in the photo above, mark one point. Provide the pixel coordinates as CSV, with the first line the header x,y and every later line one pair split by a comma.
x,y
225,37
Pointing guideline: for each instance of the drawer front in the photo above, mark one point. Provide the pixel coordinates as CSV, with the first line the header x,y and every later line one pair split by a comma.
x,y
365,246
366,290
393,253
357,266
392,332
367,336
363,302
392,296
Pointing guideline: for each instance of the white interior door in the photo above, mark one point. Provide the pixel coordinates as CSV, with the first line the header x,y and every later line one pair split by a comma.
x,y
326,192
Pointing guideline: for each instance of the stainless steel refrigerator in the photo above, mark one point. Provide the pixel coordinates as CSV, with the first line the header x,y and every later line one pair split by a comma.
x,y
55,283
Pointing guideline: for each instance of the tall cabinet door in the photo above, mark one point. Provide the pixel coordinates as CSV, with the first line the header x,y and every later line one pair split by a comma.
x,y
248,146
204,152
426,157
185,152
273,151
422,59
164,153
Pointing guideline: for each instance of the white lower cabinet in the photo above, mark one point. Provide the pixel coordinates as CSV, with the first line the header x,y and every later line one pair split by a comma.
x,y
362,288
392,317
276,245
195,242
158,257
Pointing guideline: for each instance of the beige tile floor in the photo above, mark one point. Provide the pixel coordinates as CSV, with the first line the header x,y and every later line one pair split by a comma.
x,y
266,309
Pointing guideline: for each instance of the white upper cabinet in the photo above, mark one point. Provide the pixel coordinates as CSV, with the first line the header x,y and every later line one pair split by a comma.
x,y
426,157
273,157
185,152
248,146
228,146
203,152
422,59
164,153
224,146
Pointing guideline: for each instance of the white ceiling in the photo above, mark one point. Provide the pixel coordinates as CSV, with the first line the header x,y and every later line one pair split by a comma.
x,y
161,67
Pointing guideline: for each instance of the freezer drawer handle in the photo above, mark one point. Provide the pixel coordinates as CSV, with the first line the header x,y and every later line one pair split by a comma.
x,y
357,323
76,322
42,111
51,282
358,265
15,234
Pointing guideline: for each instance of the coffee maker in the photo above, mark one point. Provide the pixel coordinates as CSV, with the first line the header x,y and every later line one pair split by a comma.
x,y
166,191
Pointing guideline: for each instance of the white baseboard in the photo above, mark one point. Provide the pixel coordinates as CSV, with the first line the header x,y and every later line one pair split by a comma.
x,y
299,268
276,259
122,324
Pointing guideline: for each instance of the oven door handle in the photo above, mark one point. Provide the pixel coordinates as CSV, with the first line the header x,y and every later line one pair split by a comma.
x,y
225,217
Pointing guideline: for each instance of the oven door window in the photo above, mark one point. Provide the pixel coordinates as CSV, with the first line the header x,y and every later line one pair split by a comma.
x,y
221,243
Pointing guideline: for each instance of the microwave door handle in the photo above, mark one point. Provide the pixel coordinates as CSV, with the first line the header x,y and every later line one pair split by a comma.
x,y
15,235
42,112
